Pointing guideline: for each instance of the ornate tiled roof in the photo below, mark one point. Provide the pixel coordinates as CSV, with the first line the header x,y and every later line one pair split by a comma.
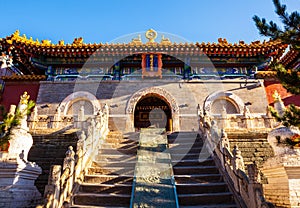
x,y
80,49
24,77
290,58
268,75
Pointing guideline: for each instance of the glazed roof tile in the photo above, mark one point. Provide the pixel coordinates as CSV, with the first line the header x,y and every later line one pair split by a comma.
x,y
79,48
24,77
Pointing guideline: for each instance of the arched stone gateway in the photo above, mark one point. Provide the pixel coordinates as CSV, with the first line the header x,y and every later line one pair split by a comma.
x,y
72,103
144,101
215,103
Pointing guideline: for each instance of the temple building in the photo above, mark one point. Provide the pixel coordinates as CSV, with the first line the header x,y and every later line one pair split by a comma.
x,y
147,82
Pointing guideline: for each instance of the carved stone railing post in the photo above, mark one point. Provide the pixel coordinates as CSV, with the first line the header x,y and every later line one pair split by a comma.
x,y
81,146
237,165
248,118
224,146
52,189
69,162
106,113
57,118
253,173
254,187
224,140
33,118
238,161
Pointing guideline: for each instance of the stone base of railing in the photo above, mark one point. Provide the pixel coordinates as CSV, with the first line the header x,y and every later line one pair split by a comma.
x,y
17,187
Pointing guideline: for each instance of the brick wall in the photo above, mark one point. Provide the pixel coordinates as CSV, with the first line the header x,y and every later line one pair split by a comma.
x,y
287,98
13,90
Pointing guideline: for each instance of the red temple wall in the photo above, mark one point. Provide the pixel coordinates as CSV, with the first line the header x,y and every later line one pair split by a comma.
x,y
13,91
287,98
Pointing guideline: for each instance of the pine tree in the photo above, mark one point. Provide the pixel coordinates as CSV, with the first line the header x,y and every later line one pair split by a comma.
x,y
289,34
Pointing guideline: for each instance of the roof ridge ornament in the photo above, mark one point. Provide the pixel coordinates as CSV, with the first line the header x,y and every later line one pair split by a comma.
x,y
16,33
151,35
46,42
165,41
137,41
78,41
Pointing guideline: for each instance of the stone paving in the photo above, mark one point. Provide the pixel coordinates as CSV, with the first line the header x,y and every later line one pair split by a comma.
x,y
153,182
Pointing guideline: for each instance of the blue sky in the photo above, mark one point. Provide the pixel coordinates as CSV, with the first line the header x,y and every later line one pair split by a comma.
x,y
102,21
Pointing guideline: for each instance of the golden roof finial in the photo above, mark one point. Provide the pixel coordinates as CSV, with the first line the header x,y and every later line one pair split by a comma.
x,y
151,35
46,42
78,41
61,42
31,40
16,33
165,41
137,41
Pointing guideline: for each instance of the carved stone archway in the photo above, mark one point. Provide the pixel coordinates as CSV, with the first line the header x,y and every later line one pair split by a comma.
x,y
221,95
76,97
154,91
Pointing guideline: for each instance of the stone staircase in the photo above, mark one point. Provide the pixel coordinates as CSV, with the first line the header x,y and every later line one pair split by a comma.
x,y
48,149
108,182
254,146
198,184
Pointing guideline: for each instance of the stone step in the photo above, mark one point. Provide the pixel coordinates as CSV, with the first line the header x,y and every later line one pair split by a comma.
x,y
121,140
110,164
181,156
180,138
206,198
183,134
200,188
192,162
185,145
111,170
188,170
198,184
115,134
102,199
118,145
116,158
105,188
198,178
185,150
119,151
256,145
109,179
50,150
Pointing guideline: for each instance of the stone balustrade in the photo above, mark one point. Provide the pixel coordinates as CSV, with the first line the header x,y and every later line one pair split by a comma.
x,y
63,181
247,189
241,121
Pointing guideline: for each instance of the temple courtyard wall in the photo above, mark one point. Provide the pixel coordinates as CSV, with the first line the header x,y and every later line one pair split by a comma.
x,y
121,97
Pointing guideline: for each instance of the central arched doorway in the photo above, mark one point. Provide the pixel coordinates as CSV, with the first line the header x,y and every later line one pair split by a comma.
x,y
152,110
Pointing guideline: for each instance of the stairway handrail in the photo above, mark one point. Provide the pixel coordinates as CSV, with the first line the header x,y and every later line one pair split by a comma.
x,y
247,189
63,183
